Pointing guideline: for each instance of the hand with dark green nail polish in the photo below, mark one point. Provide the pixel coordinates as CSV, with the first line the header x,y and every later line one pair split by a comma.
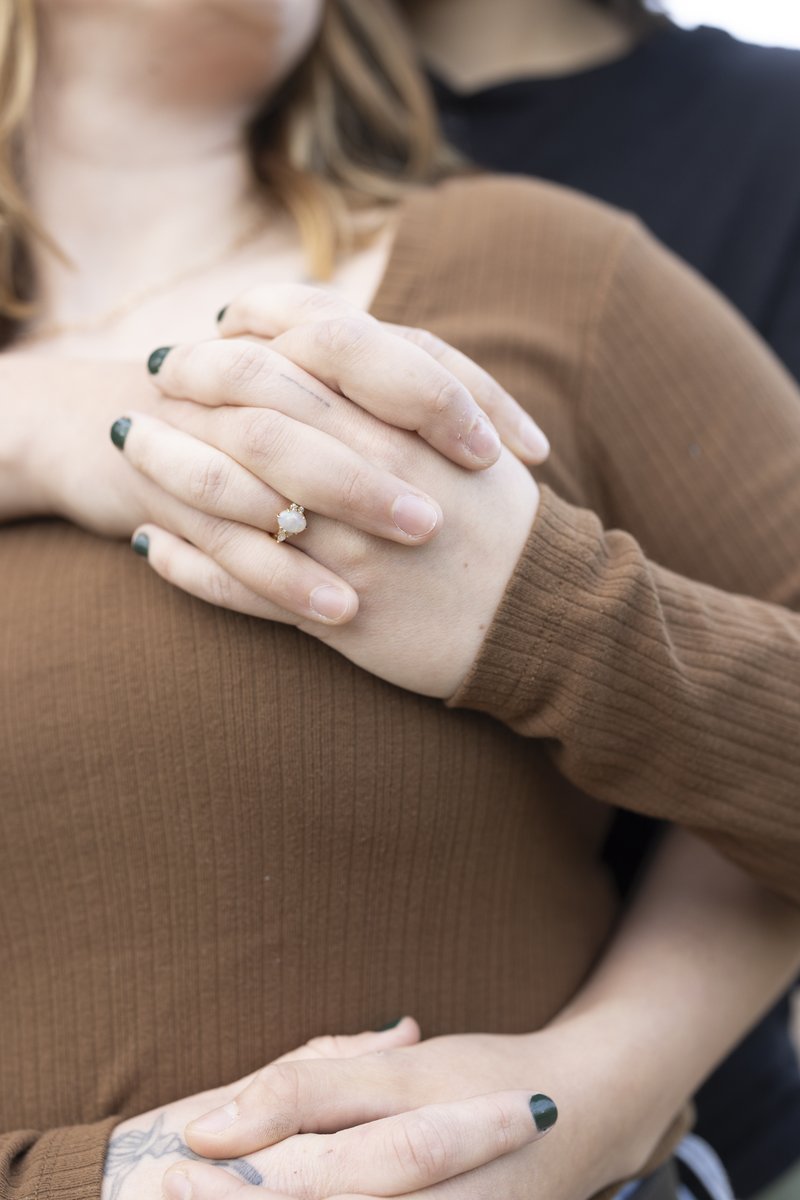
x,y
119,431
156,360
462,1094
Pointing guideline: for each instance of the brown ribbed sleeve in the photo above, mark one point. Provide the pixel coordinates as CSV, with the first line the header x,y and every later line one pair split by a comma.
x,y
66,1163
661,694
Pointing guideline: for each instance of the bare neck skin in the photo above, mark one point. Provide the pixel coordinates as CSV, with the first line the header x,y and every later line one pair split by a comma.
x,y
137,165
472,43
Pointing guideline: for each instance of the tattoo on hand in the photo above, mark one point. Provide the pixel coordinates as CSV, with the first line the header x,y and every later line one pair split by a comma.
x,y
128,1150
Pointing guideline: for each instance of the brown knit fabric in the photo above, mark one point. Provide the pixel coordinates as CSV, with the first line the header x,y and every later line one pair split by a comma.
x,y
218,838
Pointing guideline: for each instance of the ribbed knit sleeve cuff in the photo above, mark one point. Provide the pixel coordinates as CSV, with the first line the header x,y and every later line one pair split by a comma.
x,y
62,1164
545,597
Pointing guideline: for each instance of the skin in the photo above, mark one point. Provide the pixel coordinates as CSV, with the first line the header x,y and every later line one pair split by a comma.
x,y
341,1116
179,142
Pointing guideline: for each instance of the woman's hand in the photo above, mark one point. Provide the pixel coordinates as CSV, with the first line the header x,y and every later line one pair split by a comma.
x,y
407,1124
141,1148
424,611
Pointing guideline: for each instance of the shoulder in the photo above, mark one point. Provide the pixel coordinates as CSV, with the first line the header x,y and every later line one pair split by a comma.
x,y
749,87
771,71
501,229
506,205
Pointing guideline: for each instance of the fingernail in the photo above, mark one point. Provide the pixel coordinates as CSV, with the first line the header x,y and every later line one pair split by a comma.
x,y
156,359
533,439
176,1186
119,431
329,602
221,313
414,516
218,1120
141,544
543,1111
391,1025
483,442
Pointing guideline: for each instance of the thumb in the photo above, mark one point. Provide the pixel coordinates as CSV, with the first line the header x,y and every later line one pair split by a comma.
x,y
206,1134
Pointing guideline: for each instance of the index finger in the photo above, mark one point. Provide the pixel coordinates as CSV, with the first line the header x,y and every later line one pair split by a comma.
x,y
408,377
403,1153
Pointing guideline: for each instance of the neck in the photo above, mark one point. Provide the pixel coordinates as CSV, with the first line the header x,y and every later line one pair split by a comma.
x,y
136,167
473,44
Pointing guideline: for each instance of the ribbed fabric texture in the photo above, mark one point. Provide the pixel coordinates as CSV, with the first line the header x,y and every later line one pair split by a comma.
x,y
218,838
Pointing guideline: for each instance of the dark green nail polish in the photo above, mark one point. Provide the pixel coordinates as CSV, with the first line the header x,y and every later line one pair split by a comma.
x,y
391,1025
156,359
141,544
221,313
544,1112
119,431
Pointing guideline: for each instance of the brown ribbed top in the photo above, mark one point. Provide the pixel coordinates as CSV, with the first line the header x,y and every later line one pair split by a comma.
x,y
218,838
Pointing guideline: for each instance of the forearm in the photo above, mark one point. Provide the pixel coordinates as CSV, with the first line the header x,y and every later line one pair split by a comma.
x,y
701,953
651,692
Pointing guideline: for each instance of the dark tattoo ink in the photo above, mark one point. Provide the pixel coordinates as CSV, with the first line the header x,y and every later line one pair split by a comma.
x,y
308,391
128,1150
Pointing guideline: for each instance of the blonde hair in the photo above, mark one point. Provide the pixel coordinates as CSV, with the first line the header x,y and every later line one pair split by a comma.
x,y
353,130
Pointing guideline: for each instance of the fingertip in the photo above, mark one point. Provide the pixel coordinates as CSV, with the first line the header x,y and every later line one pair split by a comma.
x,y
120,430
140,543
403,1031
543,1111
535,444
332,604
483,442
156,360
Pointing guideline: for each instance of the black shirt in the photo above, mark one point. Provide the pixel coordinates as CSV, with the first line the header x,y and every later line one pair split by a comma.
x,y
699,136
696,133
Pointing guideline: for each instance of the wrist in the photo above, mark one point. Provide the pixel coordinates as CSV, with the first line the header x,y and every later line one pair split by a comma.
x,y
609,1090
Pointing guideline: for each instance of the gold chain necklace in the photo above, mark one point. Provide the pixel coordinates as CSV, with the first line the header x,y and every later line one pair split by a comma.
x,y
54,329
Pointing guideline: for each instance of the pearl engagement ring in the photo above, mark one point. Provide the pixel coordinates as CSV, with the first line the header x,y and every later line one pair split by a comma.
x,y
290,522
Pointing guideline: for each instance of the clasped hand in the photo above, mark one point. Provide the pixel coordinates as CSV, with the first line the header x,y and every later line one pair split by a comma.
x,y
400,1117
416,513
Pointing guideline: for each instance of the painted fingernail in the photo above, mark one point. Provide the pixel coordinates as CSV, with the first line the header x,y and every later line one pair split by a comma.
x,y
218,1120
176,1186
533,439
414,516
221,313
543,1111
329,602
156,360
119,431
141,544
483,442
391,1025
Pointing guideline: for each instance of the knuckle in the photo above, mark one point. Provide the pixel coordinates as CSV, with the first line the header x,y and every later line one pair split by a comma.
x,y
264,435
502,1128
327,1046
208,481
357,489
447,395
279,1084
219,587
248,366
427,341
342,336
315,303
218,537
420,1147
